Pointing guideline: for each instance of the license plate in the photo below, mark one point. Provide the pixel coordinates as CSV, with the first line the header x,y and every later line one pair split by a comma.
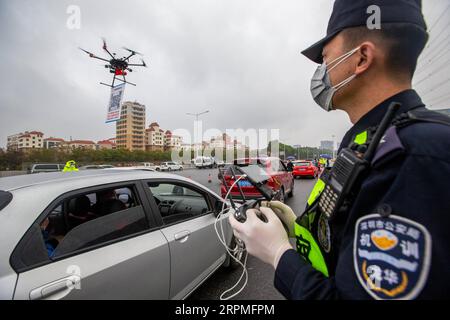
x,y
244,184
302,169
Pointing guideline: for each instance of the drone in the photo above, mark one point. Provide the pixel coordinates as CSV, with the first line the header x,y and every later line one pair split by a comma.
x,y
118,66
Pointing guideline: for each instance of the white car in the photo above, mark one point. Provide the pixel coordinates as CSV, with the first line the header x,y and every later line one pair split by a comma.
x,y
151,165
171,166
204,162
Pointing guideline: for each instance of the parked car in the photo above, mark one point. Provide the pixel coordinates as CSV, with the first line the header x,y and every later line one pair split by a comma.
x,y
46,167
171,166
220,164
112,234
281,180
151,165
304,169
96,166
205,162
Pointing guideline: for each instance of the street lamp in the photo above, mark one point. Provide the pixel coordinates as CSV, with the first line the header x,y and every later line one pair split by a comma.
x,y
196,115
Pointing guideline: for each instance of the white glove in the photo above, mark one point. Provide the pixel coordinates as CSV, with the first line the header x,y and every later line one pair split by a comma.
x,y
285,213
266,241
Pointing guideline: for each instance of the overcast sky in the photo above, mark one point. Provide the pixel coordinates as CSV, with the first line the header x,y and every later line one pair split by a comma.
x,y
238,58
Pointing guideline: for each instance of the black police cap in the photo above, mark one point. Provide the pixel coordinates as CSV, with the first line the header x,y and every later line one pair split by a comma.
x,y
353,13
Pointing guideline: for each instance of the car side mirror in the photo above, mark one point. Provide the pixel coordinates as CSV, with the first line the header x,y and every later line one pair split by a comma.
x,y
218,207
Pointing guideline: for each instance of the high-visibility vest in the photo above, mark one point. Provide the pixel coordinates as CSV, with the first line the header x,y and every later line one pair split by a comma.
x,y
70,166
312,223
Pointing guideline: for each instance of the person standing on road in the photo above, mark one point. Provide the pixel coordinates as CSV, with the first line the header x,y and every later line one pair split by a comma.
x,y
392,239
290,166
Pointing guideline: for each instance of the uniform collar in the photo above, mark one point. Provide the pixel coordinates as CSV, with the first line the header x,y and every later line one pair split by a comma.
x,y
409,100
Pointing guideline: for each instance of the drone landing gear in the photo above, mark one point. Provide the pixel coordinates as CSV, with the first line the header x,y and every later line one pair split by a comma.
x,y
114,79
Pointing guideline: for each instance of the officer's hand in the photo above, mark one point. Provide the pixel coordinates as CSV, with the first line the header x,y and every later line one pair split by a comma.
x,y
265,240
285,213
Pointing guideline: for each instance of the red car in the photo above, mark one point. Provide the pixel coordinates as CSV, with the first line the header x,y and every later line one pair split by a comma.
x,y
304,169
280,179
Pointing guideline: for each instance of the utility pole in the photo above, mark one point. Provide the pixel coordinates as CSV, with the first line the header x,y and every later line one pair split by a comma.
x,y
196,115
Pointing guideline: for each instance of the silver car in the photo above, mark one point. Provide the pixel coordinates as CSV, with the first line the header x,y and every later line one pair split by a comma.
x,y
105,234
46,167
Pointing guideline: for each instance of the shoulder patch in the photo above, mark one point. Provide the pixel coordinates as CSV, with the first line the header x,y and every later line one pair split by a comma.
x,y
391,256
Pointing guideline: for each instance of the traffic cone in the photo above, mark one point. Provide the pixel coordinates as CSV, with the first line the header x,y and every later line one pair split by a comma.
x,y
209,178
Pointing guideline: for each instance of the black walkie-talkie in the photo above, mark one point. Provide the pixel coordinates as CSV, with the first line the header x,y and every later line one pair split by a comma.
x,y
349,169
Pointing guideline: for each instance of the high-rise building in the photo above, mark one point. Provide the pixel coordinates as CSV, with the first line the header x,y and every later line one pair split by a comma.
x,y
327,145
130,129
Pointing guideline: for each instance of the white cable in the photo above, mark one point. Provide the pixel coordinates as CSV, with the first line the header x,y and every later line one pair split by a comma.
x,y
243,265
229,250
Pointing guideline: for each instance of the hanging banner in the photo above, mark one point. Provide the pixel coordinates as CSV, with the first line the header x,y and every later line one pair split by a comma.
x,y
115,102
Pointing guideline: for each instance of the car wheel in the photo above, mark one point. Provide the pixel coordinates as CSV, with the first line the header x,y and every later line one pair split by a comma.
x,y
237,251
158,169
169,169
291,193
282,196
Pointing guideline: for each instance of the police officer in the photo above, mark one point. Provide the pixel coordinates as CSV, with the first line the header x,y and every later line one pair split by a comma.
x,y
70,166
392,241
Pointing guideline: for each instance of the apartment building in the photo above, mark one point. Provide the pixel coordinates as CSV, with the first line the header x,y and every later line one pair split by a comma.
x,y
27,140
130,129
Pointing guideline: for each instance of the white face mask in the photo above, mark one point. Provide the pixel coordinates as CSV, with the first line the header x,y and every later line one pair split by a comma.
x,y
321,89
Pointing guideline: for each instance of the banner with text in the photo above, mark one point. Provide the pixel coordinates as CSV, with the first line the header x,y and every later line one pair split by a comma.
x,y
115,103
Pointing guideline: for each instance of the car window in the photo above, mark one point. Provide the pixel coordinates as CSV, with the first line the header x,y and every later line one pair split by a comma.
x,y
46,167
277,166
89,219
177,202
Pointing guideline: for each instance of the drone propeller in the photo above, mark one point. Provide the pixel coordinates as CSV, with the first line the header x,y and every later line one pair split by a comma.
x,y
104,44
106,48
139,65
92,55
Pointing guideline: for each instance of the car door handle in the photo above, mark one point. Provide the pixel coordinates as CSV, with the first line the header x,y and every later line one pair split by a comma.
x,y
182,236
47,290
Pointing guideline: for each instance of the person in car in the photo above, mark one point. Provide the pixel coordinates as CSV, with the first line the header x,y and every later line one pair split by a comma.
x,y
106,202
50,241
